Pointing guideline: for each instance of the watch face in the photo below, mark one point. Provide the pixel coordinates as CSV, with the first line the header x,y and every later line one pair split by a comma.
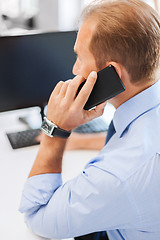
x,y
46,127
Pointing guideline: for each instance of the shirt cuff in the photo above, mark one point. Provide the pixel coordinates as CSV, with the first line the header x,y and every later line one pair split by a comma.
x,y
38,190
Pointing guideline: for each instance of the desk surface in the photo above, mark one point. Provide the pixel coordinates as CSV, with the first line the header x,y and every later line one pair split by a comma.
x,y
14,169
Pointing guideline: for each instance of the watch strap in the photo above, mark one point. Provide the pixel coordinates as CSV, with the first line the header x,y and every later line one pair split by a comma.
x,y
61,133
49,128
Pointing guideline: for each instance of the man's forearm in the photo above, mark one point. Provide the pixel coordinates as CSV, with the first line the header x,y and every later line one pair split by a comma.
x,y
49,158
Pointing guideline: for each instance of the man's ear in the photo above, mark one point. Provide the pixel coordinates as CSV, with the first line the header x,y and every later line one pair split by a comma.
x,y
117,67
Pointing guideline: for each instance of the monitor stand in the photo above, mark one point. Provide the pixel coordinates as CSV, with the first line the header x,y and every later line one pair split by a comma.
x,y
33,122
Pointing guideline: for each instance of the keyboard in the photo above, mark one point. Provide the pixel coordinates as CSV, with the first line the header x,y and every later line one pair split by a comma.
x,y
96,125
24,138
28,137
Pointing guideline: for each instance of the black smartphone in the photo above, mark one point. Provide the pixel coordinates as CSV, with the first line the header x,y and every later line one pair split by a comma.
x,y
108,85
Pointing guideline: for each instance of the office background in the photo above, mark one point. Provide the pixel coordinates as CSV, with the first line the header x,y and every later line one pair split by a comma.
x,y
20,15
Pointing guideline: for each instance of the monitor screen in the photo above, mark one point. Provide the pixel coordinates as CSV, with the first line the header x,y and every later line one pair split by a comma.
x,y
31,65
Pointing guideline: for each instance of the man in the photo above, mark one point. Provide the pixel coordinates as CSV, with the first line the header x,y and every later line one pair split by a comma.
x,y
119,190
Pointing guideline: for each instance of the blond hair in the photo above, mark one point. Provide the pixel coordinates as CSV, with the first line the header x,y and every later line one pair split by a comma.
x,y
127,32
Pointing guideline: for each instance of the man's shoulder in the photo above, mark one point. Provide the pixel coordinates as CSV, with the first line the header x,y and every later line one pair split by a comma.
x,y
124,155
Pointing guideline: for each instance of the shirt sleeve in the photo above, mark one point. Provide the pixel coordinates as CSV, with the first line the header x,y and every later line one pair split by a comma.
x,y
93,201
38,190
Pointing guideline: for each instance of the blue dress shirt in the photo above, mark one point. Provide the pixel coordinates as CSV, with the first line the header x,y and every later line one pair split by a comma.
x,y
118,191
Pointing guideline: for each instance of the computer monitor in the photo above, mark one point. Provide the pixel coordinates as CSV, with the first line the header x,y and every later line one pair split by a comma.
x,y
31,65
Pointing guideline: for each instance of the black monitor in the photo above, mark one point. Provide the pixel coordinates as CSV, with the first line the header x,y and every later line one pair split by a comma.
x,y
31,65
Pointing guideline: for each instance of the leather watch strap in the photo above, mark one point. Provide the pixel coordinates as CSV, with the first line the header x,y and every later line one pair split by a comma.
x,y
61,133
49,128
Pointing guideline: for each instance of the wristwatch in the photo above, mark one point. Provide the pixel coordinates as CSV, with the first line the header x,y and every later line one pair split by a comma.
x,y
52,130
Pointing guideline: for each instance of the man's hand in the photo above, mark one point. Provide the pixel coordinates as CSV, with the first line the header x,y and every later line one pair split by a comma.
x,y
65,107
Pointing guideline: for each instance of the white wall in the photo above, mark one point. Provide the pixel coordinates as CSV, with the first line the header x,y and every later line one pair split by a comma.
x,y
47,17
52,14
69,11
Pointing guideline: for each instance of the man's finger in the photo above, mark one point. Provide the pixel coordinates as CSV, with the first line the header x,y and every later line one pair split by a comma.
x,y
63,89
86,90
73,87
96,112
57,88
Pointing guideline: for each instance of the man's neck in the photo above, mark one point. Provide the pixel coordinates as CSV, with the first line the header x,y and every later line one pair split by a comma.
x,y
131,91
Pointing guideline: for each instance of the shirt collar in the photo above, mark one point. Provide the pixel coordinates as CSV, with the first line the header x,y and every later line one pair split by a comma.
x,y
136,106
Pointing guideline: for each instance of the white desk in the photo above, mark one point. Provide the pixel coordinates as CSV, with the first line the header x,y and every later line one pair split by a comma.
x,y
14,169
